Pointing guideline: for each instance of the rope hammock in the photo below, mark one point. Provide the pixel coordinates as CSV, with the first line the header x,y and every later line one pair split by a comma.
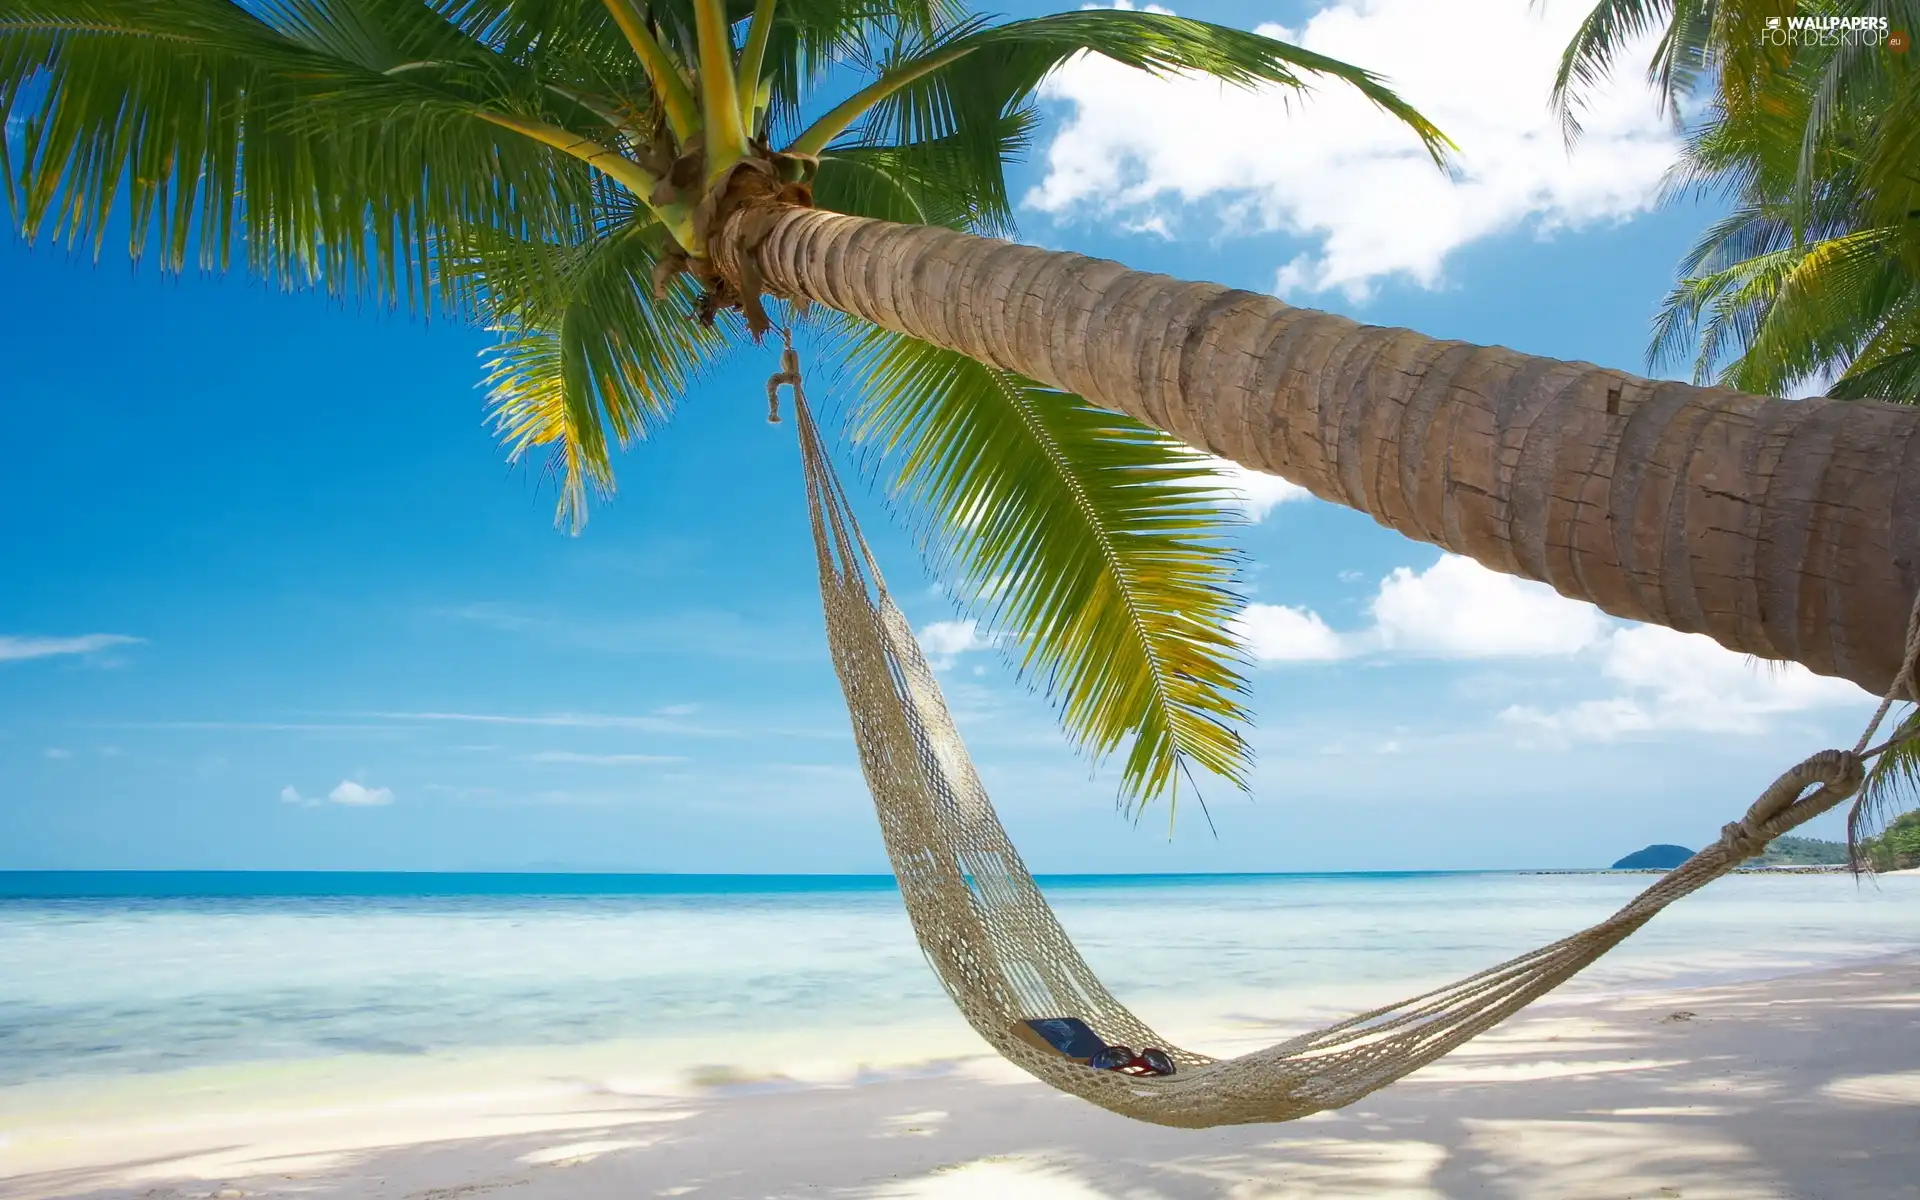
x,y
1005,960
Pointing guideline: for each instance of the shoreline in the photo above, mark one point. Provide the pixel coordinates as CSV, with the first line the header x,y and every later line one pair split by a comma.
x,y
1707,1090
19,885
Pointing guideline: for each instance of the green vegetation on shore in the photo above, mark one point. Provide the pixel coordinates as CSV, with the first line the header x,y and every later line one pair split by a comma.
x,y
1898,846
1802,852
1896,849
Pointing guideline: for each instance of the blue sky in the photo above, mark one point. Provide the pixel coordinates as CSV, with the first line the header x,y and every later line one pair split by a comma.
x,y
272,599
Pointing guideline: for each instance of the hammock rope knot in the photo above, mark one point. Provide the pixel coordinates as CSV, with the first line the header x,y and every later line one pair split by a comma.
x,y
1905,686
788,374
1834,774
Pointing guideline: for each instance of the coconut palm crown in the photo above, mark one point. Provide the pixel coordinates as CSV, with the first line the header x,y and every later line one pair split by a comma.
x,y
552,170
1814,274
1796,286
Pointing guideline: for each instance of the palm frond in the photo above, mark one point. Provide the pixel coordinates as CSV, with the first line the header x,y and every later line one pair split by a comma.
x,y
303,144
1099,541
1595,47
929,183
1887,367
1713,307
1821,311
959,82
588,357
1890,164
1892,787
1809,275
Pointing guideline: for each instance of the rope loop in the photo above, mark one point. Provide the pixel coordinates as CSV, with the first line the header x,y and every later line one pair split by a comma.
x,y
788,374
1904,685
1785,804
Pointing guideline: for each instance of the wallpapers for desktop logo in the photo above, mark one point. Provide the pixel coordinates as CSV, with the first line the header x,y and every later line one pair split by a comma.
x,y
1833,31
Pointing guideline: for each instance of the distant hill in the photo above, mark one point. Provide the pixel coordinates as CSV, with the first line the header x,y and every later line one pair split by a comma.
x,y
1783,852
1802,852
1655,858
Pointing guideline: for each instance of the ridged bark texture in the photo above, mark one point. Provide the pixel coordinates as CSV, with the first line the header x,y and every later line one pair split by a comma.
x,y
1783,529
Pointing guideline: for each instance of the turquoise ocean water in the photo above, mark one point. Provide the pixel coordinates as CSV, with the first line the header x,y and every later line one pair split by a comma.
x,y
130,974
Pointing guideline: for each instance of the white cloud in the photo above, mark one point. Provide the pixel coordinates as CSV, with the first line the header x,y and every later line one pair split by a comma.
x,y
944,642
1455,608
1335,170
1459,609
56,752
1589,720
662,720
1277,633
1653,678
16,649
1687,681
1254,493
602,760
353,793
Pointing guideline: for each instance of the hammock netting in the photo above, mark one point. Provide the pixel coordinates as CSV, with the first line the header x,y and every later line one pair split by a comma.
x,y
1003,957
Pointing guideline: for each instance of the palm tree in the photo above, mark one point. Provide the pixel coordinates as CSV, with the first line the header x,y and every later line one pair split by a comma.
x,y
555,169
534,159
1792,287
1815,274
1701,42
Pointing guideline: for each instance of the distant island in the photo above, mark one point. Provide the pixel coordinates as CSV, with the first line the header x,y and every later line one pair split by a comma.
x,y
1783,852
1659,857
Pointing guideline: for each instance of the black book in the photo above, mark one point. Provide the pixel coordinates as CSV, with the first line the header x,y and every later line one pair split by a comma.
x,y
1069,1036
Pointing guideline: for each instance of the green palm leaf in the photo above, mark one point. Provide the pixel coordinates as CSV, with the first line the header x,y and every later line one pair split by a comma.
x,y
1888,365
587,350
1700,40
1603,35
959,82
327,167
1815,274
1892,787
1834,296
1100,541
935,182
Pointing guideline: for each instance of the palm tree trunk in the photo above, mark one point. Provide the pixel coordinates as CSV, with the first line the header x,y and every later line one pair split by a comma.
x,y
1783,529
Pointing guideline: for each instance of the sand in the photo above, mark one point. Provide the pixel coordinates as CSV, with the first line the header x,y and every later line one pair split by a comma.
x,y
1804,1087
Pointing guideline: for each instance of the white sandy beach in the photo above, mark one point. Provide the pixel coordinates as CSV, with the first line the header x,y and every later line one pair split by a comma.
x,y
1804,1087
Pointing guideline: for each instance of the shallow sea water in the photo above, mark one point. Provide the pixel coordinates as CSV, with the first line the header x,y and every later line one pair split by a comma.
x,y
118,986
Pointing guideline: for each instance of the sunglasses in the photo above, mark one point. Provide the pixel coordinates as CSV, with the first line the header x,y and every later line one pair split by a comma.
x,y
1151,1061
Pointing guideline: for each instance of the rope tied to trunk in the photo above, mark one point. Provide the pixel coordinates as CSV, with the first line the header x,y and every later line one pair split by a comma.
x,y
788,375
1905,687
1838,774
1905,683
